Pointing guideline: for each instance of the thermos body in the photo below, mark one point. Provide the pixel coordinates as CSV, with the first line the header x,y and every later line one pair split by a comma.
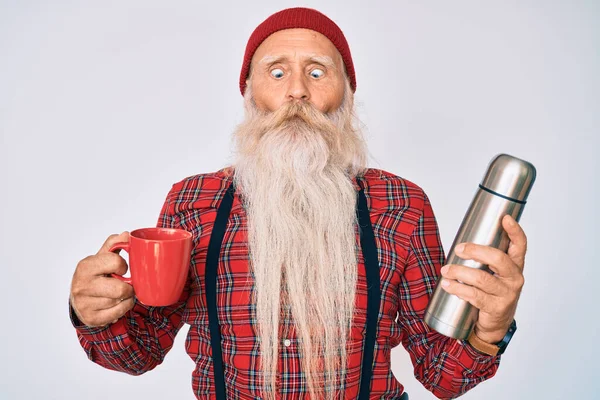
x,y
503,190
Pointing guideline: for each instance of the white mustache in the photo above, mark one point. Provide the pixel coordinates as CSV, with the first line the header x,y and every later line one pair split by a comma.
x,y
293,112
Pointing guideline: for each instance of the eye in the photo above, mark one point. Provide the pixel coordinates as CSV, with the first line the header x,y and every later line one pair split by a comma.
x,y
277,73
317,73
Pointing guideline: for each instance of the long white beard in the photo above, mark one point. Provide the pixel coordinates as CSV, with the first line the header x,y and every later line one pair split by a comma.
x,y
294,169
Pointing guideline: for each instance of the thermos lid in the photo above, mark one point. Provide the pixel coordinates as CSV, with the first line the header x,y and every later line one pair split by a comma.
x,y
510,177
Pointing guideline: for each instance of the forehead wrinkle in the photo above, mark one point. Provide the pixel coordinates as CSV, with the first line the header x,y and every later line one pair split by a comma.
x,y
314,58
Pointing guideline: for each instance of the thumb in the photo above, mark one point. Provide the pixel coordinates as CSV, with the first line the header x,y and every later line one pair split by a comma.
x,y
112,240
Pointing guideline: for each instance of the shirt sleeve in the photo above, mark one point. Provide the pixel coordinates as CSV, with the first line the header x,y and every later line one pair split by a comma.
x,y
139,340
447,367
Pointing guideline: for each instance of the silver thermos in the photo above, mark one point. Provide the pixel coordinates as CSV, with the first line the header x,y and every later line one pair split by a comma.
x,y
503,190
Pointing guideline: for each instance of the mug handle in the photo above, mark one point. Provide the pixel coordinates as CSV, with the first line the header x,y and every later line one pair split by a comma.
x,y
121,246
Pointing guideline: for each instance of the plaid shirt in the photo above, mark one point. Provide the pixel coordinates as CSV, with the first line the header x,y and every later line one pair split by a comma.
x,y
410,255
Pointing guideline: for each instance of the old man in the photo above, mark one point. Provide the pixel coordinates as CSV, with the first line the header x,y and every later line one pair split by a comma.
x,y
285,307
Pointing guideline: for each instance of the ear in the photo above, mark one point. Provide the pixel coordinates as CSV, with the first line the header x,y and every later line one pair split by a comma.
x,y
248,85
249,77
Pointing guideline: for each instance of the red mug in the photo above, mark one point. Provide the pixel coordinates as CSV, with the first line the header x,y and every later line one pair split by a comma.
x,y
159,261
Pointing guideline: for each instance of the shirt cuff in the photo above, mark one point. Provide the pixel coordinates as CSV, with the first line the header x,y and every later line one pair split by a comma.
x,y
101,333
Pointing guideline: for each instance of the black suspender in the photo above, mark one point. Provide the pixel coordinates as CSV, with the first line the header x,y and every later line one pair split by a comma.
x,y
212,263
369,250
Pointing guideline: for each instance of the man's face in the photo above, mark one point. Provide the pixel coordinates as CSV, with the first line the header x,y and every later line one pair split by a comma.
x,y
297,65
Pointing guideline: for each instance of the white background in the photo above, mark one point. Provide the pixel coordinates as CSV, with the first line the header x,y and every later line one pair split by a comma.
x,y
104,105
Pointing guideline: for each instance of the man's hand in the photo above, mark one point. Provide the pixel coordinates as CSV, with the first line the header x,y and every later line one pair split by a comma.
x,y
495,295
97,298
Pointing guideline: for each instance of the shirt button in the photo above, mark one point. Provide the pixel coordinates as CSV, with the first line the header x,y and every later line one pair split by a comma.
x,y
287,342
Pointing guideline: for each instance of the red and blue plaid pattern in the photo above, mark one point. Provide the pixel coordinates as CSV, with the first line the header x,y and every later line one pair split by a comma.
x,y
410,257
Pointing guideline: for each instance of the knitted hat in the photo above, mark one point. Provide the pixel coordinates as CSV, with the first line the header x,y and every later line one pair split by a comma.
x,y
298,18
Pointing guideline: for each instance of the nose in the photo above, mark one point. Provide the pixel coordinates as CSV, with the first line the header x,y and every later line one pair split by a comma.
x,y
298,89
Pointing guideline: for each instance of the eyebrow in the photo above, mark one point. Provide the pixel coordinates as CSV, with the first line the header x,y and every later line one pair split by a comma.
x,y
326,61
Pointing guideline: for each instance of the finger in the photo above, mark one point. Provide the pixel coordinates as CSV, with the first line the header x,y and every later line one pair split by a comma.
x,y
103,264
477,278
105,317
112,240
103,303
518,240
109,287
497,260
91,304
474,296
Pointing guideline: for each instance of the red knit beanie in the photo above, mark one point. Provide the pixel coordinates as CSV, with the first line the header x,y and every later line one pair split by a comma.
x,y
298,18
